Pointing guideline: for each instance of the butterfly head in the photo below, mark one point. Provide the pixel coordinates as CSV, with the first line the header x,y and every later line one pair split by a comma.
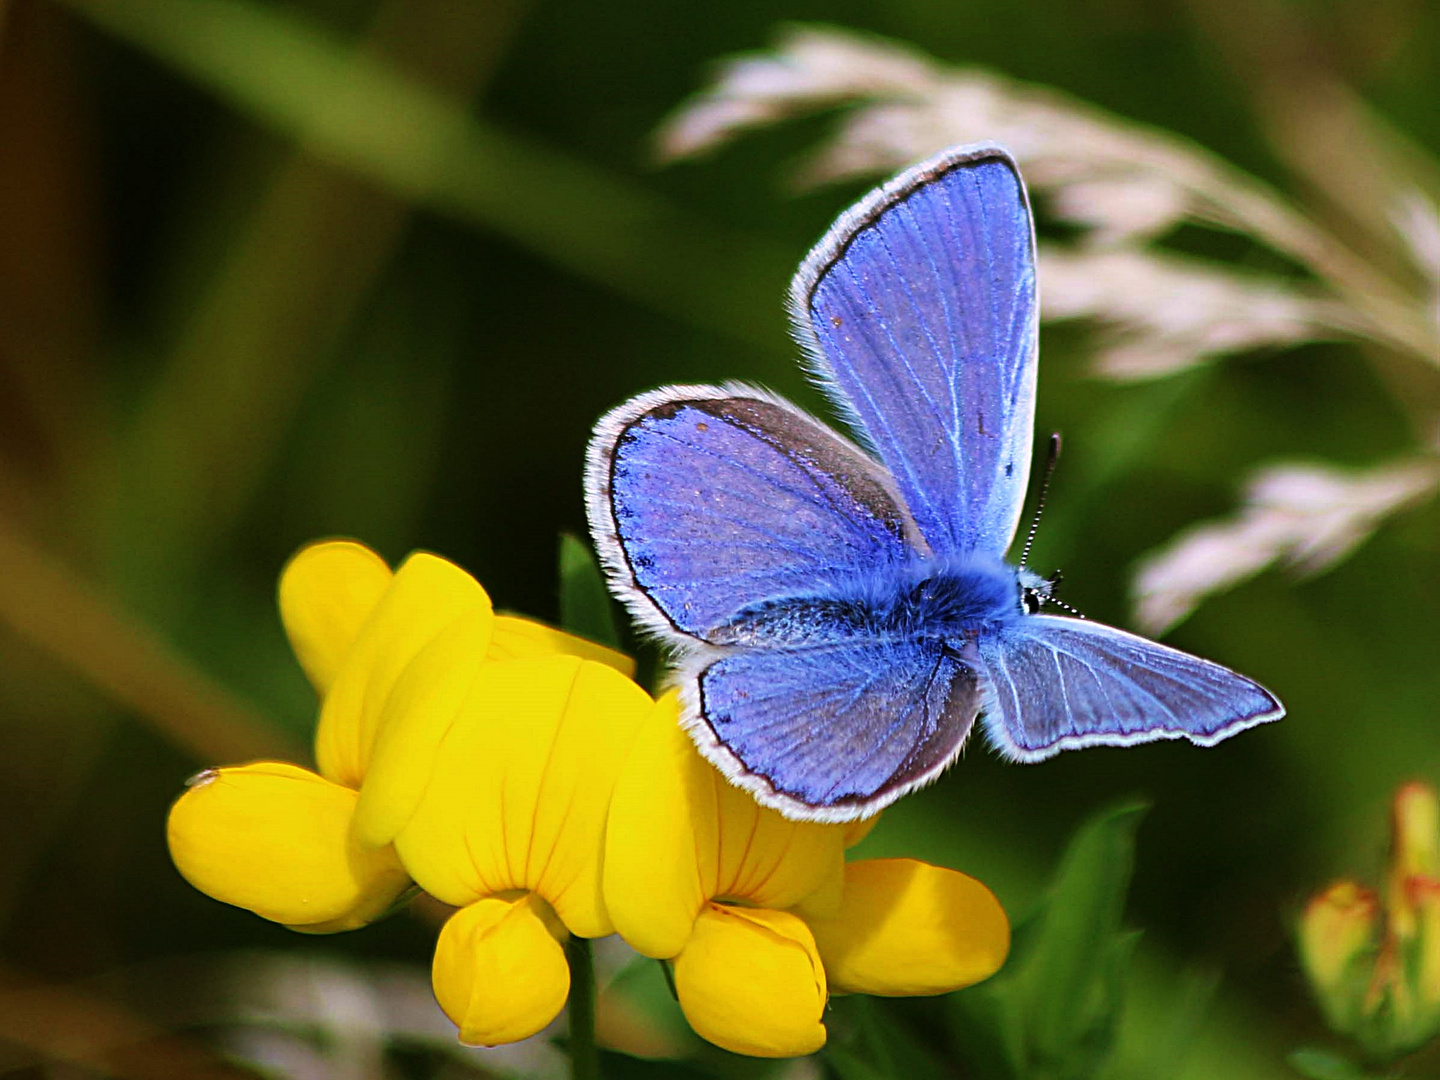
x,y
1035,591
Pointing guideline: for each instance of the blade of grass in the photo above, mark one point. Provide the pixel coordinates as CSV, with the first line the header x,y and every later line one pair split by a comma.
x,y
55,610
358,112
585,605
296,277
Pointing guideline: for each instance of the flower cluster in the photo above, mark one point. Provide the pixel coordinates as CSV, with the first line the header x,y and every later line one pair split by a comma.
x,y
518,774
1373,961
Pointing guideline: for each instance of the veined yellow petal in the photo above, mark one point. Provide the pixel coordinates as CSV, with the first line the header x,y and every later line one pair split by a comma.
x,y
522,784
662,840
458,843
750,980
276,839
327,591
824,901
421,707
426,595
768,860
680,834
567,847
500,972
906,927
518,638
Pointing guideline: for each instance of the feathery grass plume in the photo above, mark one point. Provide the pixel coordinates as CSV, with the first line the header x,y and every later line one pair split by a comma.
x,y
1305,516
1121,182
1123,186
1165,313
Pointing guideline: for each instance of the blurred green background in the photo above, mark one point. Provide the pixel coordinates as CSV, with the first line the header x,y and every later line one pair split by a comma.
x,y
254,291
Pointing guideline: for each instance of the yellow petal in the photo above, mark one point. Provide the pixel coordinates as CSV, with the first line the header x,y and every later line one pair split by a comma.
x,y
824,901
427,595
419,710
750,980
660,846
855,831
327,591
500,972
680,835
766,859
524,639
906,927
275,838
521,787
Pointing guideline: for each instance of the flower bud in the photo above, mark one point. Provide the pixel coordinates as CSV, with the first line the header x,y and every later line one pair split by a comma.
x,y
1338,932
1414,851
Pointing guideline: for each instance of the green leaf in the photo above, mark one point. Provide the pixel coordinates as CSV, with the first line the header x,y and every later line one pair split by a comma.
x,y
1073,983
870,1036
1159,1039
1058,1003
584,601
850,1066
1316,1063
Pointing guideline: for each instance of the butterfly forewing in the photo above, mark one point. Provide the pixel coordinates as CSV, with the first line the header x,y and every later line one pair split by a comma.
x,y
919,312
704,500
1064,683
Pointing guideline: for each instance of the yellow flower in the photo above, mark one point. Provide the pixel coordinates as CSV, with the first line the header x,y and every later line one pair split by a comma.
x,y
762,917
281,840
503,816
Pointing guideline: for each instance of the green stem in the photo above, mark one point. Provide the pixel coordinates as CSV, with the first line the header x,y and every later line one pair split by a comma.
x,y
584,1056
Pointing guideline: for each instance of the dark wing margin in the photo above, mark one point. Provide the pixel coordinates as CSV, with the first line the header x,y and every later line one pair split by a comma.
x,y
703,499
919,315
1060,683
833,732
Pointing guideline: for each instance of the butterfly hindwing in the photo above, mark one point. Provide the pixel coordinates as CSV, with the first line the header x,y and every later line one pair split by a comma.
x,y
705,499
836,731
1061,683
919,313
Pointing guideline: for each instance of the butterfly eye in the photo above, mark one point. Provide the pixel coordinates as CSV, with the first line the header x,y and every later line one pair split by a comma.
x,y
1031,601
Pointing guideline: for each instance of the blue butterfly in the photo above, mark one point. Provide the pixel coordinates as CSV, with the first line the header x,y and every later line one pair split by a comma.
x,y
841,616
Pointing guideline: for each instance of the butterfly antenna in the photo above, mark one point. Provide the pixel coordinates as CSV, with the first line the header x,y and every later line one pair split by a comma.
x,y
1065,607
1044,490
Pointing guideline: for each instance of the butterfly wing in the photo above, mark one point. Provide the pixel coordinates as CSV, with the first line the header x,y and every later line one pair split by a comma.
x,y
918,311
704,499
832,732
1060,683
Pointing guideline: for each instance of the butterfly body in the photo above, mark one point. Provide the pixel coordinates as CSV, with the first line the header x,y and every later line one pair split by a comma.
x,y
840,615
951,599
